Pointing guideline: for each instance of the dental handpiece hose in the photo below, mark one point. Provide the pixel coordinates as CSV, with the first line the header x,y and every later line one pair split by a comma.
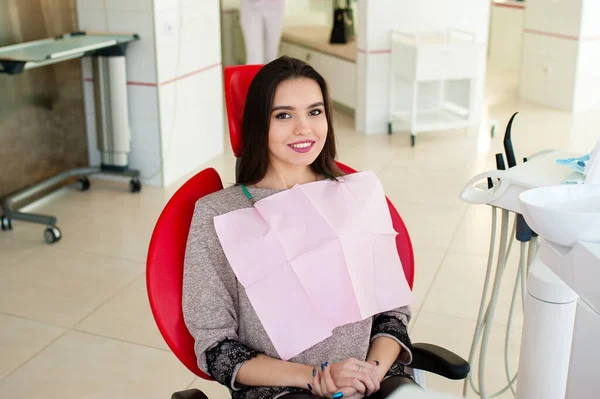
x,y
493,302
485,318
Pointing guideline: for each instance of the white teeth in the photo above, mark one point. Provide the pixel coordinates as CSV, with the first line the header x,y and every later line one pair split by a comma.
x,y
302,145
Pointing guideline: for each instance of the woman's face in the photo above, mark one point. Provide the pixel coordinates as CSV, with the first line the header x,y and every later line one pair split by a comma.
x,y
298,126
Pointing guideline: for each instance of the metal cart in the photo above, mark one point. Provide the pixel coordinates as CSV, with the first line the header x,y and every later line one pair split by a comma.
x,y
112,117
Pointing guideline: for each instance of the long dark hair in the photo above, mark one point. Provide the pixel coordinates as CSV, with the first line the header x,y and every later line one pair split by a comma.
x,y
254,161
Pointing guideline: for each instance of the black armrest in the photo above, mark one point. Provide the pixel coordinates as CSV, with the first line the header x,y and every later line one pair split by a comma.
x,y
440,361
189,394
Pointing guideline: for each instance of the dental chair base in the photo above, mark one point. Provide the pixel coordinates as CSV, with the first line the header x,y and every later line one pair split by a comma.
x,y
548,320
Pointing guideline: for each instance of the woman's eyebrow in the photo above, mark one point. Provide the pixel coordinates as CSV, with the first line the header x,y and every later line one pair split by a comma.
x,y
290,108
284,107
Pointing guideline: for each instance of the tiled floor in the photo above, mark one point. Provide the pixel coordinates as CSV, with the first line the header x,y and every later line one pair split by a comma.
x,y
74,318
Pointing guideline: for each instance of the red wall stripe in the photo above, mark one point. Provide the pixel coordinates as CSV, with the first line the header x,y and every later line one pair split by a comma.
x,y
150,84
510,5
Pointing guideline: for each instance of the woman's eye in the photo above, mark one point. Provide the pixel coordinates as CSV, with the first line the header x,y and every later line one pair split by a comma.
x,y
315,112
283,115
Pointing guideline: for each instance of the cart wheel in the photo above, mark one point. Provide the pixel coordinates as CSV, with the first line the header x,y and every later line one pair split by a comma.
x,y
83,184
52,234
5,223
390,128
135,186
413,138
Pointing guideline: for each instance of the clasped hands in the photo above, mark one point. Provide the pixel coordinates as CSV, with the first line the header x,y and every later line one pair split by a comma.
x,y
349,379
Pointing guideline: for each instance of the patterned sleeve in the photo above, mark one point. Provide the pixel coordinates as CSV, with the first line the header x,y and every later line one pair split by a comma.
x,y
225,359
393,325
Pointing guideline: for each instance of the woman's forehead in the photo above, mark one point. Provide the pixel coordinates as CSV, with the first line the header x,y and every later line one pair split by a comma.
x,y
297,92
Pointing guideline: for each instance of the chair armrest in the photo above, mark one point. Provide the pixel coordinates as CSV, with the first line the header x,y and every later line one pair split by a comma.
x,y
437,360
189,394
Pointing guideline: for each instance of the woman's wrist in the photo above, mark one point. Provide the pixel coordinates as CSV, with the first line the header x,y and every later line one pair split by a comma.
x,y
300,375
385,351
267,371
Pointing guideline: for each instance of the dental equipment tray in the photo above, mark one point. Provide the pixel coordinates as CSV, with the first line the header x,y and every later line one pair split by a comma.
x,y
20,57
539,171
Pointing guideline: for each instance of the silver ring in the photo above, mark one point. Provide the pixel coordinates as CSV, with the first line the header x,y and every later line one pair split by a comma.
x,y
360,368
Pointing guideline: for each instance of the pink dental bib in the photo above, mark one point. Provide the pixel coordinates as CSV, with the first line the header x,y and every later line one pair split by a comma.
x,y
316,257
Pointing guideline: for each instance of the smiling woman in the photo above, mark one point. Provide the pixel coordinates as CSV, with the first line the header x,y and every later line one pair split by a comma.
x,y
288,140
287,128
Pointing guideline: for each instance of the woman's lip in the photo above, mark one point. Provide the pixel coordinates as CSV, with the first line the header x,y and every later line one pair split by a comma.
x,y
302,142
303,149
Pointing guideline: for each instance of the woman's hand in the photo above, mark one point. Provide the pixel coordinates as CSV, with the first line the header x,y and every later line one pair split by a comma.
x,y
356,374
323,386
355,378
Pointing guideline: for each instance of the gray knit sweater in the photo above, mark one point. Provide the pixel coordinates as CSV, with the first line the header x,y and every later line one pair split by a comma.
x,y
227,330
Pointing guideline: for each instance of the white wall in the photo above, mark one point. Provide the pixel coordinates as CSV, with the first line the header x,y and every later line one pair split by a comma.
x,y
188,49
377,18
174,80
561,54
506,34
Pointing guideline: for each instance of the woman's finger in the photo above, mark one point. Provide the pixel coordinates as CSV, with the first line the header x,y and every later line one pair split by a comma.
x,y
374,377
316,384
363,378
337,393
329,384
352,382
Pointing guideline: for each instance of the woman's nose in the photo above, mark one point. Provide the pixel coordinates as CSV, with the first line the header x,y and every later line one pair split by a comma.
x,y
302,126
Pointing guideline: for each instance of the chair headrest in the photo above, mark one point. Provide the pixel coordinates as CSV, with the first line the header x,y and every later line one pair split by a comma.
x,y
237,80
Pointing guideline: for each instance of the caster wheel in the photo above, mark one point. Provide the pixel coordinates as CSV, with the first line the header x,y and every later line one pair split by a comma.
x,y
5,223
52,234
413,138
83,184
135,186
390,128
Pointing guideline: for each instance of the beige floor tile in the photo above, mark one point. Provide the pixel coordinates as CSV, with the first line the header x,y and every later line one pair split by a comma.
x,y
458,287
21,339
123,233
456,335
431,187
427,263
429,226
85,366
60,287
12,249
127,317
473,235
212,389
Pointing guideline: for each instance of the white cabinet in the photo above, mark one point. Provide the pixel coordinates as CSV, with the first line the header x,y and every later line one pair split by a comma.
x,y
432,78
339,74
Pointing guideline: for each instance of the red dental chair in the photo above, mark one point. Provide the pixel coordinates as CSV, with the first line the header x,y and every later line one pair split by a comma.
x,y
164,267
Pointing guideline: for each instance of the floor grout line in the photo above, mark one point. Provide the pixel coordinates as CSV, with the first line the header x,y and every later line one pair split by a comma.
x,y
121,340
33,356
5,313
110,298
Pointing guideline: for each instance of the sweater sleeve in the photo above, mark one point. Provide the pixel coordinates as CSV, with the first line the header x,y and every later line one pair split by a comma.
x,y
210,301
393,324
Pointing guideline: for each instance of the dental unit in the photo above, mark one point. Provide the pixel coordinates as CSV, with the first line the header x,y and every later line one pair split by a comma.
x,y
554,200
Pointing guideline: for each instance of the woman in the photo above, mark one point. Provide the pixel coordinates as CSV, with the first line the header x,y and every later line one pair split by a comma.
x,y
288,139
